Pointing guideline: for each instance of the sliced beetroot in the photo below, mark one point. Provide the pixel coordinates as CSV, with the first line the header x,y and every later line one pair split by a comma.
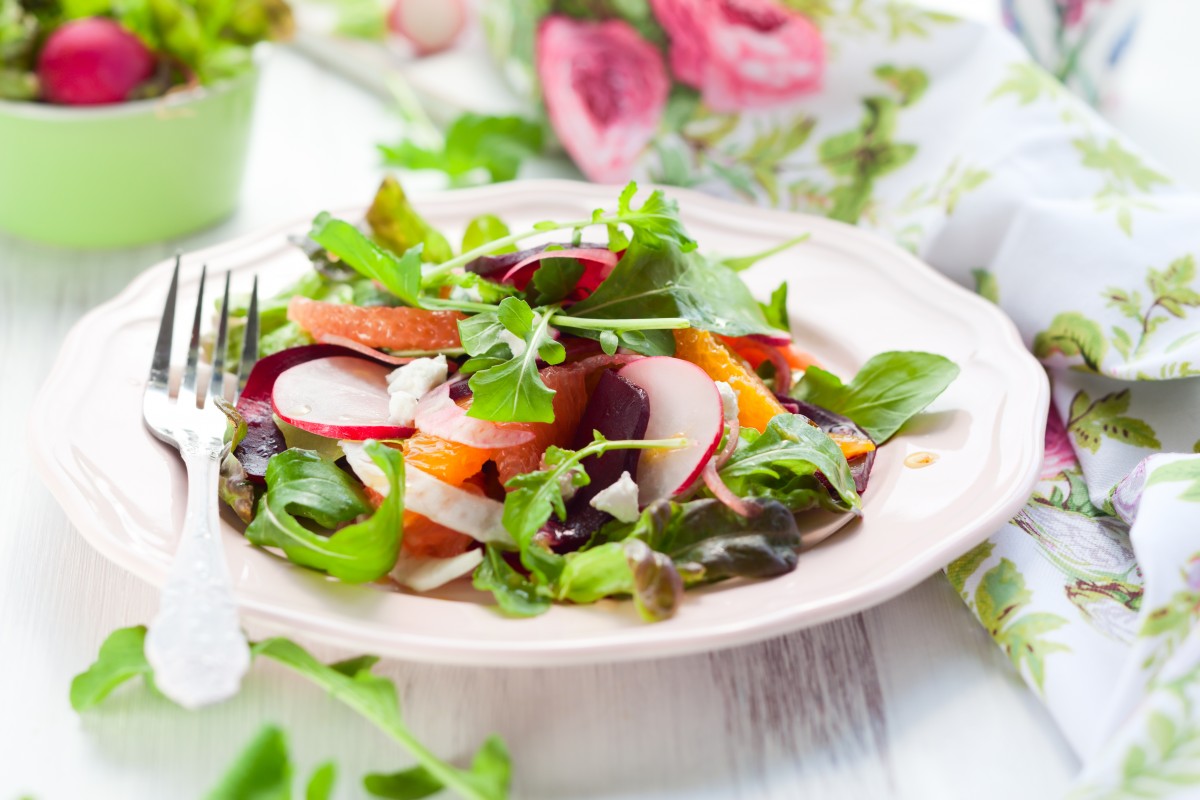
x,y
619,410
263,438
834,423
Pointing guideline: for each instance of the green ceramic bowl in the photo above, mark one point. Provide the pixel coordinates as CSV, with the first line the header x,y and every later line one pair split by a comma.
x,y
127,174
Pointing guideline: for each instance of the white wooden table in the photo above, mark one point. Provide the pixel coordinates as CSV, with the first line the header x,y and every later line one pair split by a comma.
x,y
909,700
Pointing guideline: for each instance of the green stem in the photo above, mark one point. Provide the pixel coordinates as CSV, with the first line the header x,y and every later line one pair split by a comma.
x,y
565,321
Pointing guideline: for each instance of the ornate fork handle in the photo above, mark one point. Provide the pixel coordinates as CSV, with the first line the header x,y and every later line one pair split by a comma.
x,y
195,643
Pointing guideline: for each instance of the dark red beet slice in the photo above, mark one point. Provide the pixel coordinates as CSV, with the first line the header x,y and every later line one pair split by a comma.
x,y
263,438
830,422
619,410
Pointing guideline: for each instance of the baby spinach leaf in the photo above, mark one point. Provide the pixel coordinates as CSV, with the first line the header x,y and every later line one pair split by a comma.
x,y
494,145
709,541
302,485
397,226
400,274
263,771
555,278
375,698
655,278
513,390
120,659
776,312
888,390
782,462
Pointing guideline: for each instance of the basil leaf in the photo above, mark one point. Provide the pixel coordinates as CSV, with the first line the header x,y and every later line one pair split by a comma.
x,y
121,658
301,484
494,145
397,226
401,275
657,279
709,541
782,463
516,595
375,698
483,229
263,771
889,389
514,390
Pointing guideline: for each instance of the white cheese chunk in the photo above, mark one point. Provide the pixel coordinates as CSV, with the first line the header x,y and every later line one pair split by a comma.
x,y
408,383
620,499
729,401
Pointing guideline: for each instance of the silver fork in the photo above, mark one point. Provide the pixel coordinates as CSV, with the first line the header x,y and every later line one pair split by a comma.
x,y
195,644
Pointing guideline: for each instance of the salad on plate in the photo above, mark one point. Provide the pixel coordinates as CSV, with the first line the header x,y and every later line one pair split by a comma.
x,y
587,409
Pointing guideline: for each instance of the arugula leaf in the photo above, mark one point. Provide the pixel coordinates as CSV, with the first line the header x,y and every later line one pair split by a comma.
x,y
121,658
301,484
516,595
375,698
659,280
782,463
401,275
263,771
416,783
776,311
495,145
742,263
483,229
555,278
888,390
655,220
513,391
708,541
397,226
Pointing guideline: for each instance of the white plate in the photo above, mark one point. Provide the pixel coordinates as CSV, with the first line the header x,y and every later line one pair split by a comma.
x,y
852,295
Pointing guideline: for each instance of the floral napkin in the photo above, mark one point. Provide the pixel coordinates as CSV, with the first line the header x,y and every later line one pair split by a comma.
x,y
943,136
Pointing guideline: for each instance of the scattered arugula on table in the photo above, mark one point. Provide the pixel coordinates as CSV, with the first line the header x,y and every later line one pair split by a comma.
x,y
474,145
264,769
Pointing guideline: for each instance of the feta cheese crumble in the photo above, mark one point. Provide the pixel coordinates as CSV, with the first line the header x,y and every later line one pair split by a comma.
x,y
407,384
729,403
620,499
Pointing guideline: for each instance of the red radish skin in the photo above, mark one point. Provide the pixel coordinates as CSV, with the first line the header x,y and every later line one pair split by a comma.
x,y
684,401
343,397
93,61
429,25
606,259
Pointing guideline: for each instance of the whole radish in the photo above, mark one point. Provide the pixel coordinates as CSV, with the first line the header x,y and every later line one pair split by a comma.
x,y
431,25
93,61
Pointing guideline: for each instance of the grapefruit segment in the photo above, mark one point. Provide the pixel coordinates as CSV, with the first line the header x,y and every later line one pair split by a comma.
x,y
399,328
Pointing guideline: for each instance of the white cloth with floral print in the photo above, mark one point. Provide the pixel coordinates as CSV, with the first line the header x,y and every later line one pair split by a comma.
x,y
943,136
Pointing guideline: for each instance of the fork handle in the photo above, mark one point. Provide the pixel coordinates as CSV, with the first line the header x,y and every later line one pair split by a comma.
x,y
195,644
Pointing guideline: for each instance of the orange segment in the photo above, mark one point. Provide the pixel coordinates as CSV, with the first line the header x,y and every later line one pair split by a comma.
x,y
756,403
445,460
399,328
755,352
852,445
424,538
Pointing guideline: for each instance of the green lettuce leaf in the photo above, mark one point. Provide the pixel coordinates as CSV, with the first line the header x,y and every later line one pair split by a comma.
x,y
630,567
397,226
483,229
889,389
300,484
517,595
263,771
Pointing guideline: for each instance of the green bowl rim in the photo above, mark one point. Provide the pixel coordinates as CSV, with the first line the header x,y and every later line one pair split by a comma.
x,y
56,113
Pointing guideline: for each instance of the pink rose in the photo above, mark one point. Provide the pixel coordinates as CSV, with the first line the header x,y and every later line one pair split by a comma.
x,y
605,89
1060,454
742,53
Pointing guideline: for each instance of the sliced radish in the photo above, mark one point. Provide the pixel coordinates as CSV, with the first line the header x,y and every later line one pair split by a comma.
x,y
359,347
475,515
605,259
429,26
343,397
438,415
685,402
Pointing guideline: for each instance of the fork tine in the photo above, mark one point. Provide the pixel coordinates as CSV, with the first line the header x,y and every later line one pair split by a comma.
x,y
187,387
160,364
250,345
216,384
